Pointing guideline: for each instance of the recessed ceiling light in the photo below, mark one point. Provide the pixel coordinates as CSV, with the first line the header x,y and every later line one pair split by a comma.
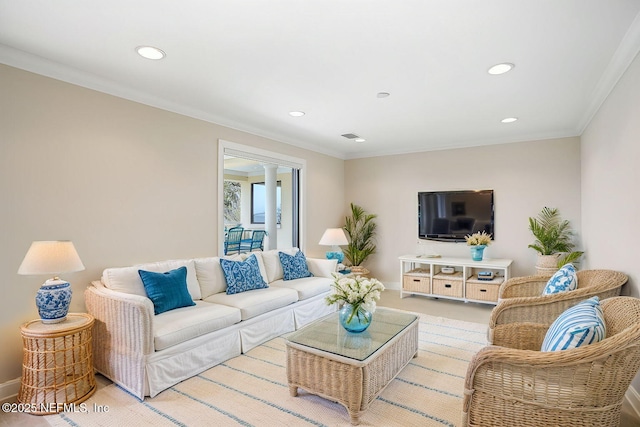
x,y
501,68
509,120
296,113
382,94
150,52
359,140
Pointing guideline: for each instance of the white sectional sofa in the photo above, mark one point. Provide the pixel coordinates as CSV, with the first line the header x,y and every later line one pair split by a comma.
x,y
146,353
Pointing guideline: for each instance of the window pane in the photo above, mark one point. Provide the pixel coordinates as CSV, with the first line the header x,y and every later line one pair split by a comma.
x,y
258,198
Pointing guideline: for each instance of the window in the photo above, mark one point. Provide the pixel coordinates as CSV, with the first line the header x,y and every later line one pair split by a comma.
x,y
258,198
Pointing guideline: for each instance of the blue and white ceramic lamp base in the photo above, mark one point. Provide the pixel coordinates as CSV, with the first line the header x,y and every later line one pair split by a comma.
x,y
53,299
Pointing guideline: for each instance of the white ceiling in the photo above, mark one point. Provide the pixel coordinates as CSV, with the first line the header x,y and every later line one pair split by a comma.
x,y
246,63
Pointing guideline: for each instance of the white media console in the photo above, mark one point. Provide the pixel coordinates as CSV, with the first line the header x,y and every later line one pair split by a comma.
x,y
424,275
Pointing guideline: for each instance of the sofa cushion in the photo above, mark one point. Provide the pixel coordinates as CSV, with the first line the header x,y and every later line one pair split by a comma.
x,y
167,290
564,280
256,302
127,279
272,263
322,267
294,266
306,287
210,275
242,276
182,324
579,325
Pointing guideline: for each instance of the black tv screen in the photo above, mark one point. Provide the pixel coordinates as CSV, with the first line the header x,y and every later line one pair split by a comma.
x,y
451,215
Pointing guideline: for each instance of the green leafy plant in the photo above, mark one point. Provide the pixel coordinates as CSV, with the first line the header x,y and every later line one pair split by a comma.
x,y
553,236
361,229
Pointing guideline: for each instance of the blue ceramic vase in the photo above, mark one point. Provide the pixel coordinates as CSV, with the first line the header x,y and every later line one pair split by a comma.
x,y
354,319
477,252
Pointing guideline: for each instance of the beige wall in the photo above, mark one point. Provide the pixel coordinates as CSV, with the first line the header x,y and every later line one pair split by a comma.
x,y
525,177
129,183
125,182
610,179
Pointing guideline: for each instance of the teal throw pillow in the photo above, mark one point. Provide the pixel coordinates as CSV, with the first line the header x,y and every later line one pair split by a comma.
x,y
563,280
294,266
579,325
242,276
167,290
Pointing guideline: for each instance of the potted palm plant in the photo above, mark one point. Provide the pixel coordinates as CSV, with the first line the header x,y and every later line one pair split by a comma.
x,y
361,229
554,241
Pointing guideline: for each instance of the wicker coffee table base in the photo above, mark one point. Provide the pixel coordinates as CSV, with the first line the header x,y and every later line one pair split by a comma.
x,y
352,383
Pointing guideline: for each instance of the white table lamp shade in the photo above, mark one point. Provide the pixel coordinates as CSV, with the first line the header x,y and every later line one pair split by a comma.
x,y
51,257
333,237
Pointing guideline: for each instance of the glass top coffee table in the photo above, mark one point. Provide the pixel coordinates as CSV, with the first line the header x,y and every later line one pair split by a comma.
x,y
351,369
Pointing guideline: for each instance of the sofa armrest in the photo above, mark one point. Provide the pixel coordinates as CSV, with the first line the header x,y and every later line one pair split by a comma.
x,y
122,335
321,267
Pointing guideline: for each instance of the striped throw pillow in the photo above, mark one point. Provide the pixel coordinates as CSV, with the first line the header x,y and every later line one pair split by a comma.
x,y
579,325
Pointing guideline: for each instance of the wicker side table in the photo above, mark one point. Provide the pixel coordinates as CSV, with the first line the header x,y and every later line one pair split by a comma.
x,y
57,367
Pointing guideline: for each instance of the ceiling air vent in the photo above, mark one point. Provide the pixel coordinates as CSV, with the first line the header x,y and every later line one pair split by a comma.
x,y
350,136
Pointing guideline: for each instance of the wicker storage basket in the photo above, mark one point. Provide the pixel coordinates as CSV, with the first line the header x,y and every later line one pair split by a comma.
x,y
449,285
418,280
547,265
486,290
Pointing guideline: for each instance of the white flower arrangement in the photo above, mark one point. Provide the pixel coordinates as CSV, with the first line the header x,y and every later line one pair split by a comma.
x,y
361,293
478,238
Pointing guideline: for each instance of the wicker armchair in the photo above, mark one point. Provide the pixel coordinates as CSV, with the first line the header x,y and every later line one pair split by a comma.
x,y
518,385
520,299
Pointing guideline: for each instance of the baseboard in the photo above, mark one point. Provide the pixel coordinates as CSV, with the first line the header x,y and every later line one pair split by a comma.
x,y
633,397
9,390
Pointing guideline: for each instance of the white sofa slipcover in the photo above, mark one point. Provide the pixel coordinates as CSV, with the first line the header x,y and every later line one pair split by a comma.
x,y
146,353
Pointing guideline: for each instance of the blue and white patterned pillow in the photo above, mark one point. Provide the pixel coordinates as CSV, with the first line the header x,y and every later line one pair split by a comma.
x,y
563,280
579,325
294,266
242,276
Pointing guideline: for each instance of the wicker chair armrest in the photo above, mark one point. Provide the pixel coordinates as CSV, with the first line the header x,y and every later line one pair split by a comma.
x,y
541,310
124,322
525,286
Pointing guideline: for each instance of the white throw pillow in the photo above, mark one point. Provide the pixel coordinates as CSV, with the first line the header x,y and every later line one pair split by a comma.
x,y
127,279
272,264
322,267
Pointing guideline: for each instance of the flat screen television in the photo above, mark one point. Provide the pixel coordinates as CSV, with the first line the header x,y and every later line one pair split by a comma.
x,y
450,215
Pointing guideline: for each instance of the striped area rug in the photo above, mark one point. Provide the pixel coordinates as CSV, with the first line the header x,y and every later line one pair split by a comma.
x,y
252,390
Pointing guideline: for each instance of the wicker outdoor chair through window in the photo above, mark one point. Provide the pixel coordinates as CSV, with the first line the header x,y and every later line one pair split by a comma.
x,y
520,299
512,383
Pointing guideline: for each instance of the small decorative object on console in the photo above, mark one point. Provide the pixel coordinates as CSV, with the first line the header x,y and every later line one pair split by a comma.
x,y
478,241
447,270
485,275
